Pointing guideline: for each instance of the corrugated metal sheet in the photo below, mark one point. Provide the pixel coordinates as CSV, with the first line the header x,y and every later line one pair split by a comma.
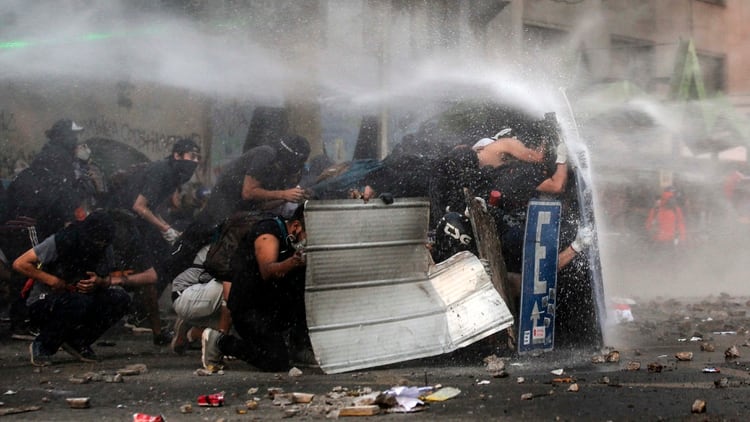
x,y
372,298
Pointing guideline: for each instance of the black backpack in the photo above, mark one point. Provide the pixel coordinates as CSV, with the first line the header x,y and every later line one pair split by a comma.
x,y
233,229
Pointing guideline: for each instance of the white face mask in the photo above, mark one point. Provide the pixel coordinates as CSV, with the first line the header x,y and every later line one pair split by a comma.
x,y
83,152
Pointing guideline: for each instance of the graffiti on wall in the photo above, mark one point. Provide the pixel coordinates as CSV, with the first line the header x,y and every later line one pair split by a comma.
x,y
230,122
150,142
10,157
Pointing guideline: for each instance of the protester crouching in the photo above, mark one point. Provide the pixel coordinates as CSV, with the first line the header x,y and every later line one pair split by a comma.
x,y
71,299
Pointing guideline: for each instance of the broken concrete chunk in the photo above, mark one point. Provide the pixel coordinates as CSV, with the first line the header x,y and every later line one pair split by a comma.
x,y
613,356
573,388
78,402
527,396
283,399
707,347
655,367
633,366
134,369
359,410
732,352
598,359
295,372
699,406
302,397
684,356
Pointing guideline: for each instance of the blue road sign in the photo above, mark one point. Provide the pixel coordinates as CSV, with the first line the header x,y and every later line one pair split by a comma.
x,y
536,322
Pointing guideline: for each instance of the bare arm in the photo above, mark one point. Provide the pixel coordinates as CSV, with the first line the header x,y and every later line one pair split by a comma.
x,y
141,208
143,278
266,254
555,184
252,189
26,264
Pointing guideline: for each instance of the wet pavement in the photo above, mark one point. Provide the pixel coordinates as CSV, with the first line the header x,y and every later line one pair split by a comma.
x,y
647,382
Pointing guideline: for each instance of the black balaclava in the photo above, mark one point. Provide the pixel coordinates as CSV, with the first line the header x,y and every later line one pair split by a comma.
x,y
82,245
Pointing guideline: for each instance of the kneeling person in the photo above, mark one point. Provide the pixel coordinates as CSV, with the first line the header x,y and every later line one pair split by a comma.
x,y
266,299
199,300
72,301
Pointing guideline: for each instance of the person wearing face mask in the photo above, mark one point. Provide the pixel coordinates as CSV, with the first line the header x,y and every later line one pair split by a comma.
x,y
266,298
262,179
45,191
89,182
141,193
71,300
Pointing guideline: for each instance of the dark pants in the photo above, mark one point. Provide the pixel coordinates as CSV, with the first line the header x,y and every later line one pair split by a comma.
x,y
264,348
76,318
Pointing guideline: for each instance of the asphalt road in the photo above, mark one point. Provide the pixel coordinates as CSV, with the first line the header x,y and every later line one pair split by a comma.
x,y
606,391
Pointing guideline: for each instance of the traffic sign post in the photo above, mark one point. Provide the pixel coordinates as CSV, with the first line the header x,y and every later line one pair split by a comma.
x,y
536,322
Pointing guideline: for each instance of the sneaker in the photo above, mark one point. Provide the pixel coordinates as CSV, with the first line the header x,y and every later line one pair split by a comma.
x,y
180,340
162,339
38,356
210,353
24,332
82,353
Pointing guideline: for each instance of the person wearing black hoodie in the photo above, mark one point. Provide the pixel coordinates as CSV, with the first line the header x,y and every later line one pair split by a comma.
x,y
46,190
71,300
143,189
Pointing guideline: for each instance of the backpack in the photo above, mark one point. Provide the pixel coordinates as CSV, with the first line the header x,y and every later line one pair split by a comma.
x,y
233,229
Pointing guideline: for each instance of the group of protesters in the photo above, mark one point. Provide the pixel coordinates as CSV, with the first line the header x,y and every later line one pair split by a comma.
x,y
97,251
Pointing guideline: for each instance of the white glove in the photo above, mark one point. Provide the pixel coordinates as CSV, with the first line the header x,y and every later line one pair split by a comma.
x,y
562,154
584,239
170,235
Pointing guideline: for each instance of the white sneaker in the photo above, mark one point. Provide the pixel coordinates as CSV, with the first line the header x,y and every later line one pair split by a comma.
x,y
211,356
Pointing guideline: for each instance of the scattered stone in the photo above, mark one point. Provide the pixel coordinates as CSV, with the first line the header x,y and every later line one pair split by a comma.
x,y
78,402
302,397
252,391
604,380
633,366
557,372
495,366
655,367
598,359
613,356
573,388
699,406
79,379
722,383
251,404
359,410
113,378
295,372
134,369
283,399
707,347
732,352
684,356
241,410
520,380
202,372
527,396
186,408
